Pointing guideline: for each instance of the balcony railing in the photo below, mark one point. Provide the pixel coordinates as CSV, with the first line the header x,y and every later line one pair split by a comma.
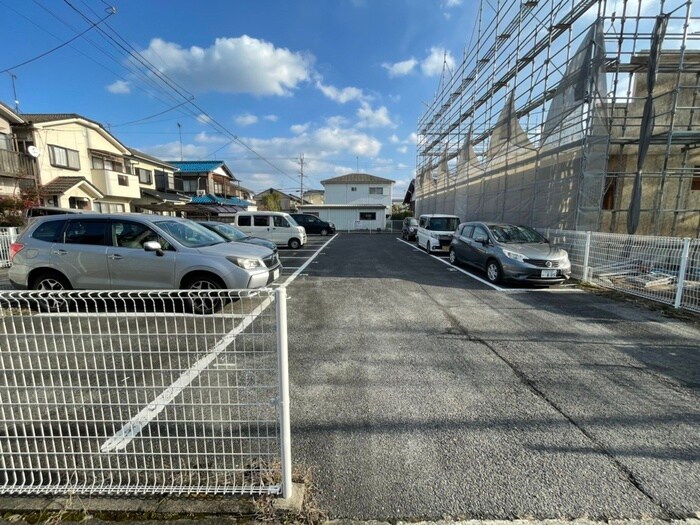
x,y
16,164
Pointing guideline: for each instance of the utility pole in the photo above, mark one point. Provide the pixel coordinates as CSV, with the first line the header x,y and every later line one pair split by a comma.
x,y
14,91
301,178
179,129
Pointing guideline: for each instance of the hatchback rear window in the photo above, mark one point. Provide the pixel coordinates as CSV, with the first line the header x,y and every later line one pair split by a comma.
x,y
444,224
49,231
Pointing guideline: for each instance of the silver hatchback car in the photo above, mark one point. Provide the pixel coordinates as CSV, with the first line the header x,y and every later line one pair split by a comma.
x,y
509,252
94,251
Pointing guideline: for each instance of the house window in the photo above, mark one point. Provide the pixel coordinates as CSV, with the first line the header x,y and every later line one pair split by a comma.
x,y
353,188
103,163
218,188
376,191
144,176
190,185
368,216
123,180
695,184
5,141
64,157
108,207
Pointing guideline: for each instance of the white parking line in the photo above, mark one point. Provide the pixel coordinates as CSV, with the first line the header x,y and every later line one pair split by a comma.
x,y
443,261
133,427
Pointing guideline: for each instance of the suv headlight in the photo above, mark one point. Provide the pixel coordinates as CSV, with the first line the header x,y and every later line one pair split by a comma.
x,y
514,255
247,263
434,235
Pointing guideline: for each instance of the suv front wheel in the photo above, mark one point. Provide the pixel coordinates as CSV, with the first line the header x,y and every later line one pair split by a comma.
x,y
204,303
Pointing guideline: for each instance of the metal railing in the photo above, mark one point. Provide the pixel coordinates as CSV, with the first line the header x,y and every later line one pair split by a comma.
x,y
7,237
663,269
106,393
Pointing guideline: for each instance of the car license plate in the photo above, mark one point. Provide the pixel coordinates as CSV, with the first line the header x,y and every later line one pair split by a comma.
x,y
275,274
446,248
549,273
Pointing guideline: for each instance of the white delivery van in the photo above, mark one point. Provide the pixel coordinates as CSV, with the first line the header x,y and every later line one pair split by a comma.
x,y
435,232
274,226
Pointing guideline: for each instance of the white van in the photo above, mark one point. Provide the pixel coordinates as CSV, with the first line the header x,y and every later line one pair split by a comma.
x,y
274,226
435,232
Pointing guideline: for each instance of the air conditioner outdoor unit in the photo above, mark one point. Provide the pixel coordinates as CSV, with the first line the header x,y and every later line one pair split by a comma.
x,y
201,193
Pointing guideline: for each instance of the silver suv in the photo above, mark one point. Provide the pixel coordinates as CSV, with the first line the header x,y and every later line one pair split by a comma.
x,y
94,251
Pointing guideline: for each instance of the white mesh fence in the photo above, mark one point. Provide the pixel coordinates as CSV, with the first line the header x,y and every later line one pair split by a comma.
x,y
130,393
664,269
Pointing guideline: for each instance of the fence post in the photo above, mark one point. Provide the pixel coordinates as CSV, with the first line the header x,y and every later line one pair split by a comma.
x,y
681,272
283,363
586,255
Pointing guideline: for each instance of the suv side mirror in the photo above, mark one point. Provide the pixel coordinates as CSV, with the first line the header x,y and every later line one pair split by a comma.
x,y
153,246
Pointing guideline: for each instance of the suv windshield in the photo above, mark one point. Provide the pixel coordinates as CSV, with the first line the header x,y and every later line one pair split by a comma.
x,y
516,234
444,224
190,233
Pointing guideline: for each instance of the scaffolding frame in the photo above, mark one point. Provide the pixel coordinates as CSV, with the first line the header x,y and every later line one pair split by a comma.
x,y
543,121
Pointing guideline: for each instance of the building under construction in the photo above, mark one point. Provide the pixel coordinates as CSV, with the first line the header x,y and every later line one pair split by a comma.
x,y
576,114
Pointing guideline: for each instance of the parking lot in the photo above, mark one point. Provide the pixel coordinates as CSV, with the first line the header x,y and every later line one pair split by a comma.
x,y
419,390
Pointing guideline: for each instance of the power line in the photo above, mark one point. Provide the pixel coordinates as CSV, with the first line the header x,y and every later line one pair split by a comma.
x,y
134,53
42,55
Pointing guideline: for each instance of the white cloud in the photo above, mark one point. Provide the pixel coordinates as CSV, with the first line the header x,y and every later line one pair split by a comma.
x,y
336,121
341,95
399,69
246,119
271,118
171,151
232,65
394,139
432,65
451,3
321,147
203,119
413,138
370,118
119,88
298,129
205,138
402,149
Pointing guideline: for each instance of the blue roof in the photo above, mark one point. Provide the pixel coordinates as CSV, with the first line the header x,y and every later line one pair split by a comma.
x,y
213,199
196,166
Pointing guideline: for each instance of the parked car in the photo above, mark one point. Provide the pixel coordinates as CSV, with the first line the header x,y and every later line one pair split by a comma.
x,y
509,252
312,224
409,228
435,232
135,252
274,226
233,234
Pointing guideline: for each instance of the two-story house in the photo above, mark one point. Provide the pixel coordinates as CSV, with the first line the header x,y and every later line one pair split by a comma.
x,y
81,165
17,166
202,177
150,169
287,202
356,201
314,196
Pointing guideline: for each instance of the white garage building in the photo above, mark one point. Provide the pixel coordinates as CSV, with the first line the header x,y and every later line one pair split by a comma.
x,y
356,201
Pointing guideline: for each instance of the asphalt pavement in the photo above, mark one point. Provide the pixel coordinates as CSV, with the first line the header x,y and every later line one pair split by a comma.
x,y
421,393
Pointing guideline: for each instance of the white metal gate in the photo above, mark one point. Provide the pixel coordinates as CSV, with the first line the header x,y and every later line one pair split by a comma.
x,y
130,393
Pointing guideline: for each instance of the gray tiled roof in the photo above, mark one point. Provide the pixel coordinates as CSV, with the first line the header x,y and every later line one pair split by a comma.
x,y
359,178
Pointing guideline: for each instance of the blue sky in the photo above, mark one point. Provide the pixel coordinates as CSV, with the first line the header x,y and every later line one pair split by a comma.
x,y
342,82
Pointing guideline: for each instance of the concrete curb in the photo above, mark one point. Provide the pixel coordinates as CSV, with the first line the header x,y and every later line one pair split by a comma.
x,y
153,508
